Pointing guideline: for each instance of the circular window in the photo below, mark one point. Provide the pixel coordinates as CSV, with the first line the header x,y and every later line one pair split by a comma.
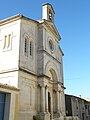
x,y
51,45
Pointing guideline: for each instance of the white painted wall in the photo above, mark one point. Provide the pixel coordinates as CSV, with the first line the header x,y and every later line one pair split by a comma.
x,y
10,78
9,56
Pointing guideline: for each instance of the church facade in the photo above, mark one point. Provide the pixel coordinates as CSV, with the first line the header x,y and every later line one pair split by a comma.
x,y
31,61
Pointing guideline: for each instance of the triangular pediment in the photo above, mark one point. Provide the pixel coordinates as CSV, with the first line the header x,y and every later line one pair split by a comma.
x,y
52,28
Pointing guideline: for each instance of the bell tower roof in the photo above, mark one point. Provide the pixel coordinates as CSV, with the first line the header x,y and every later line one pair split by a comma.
x,y
48,12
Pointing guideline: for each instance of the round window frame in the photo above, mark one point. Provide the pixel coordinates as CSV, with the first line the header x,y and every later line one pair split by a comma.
x,y
51,45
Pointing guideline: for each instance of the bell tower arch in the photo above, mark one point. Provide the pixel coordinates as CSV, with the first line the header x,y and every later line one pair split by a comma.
x,y
48,12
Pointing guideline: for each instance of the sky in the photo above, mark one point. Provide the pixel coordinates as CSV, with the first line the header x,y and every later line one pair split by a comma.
x,y
72,19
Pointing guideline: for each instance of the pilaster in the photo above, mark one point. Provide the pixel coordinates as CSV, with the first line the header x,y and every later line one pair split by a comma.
x,y
46,99
42,99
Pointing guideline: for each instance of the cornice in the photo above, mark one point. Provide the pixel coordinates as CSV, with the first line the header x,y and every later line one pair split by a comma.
x,y
44,76
14,18
10,19
44,51
50,5
47,24
5,86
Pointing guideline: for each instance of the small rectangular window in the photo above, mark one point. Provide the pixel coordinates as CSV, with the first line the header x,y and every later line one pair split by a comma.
x,y
5,39
26,47
30,48
9,40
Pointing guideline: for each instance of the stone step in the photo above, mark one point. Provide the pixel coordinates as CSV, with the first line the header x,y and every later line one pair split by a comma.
x,y
56,116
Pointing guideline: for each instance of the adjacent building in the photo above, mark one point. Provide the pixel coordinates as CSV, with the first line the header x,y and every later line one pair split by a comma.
x,y
31,68
77,107
87,108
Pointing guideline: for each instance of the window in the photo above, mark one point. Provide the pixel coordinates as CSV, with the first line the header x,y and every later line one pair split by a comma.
x,y
7,42
25,49
51,45
28,47
86,106
9,39
50,15
5,39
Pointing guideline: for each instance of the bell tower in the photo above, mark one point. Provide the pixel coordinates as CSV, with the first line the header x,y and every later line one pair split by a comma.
x,y
48,12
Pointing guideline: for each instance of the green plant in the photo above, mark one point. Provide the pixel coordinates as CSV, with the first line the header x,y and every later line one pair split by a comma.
x,y
36,117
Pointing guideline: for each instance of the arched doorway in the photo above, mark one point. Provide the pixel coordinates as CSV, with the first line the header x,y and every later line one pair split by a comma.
x,y
52,74
54,79
49,102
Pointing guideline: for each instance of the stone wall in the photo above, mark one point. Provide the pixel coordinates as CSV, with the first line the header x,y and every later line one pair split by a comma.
x,y
28,31
27,96
71,118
